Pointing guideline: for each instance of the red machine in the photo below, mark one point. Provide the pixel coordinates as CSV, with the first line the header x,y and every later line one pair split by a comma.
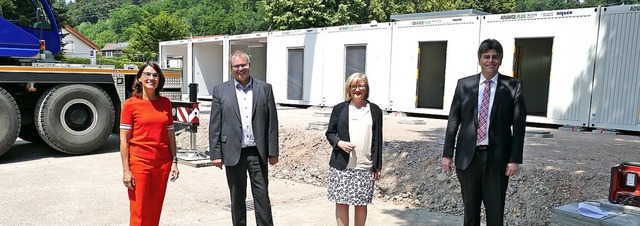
x,y
625,188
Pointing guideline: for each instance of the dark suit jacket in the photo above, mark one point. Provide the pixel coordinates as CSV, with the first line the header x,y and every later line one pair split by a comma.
x,y
338,129
225,126
506,128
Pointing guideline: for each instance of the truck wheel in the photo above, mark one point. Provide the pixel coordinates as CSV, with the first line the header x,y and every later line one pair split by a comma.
x,y
29,133
28,130
74,119
9,121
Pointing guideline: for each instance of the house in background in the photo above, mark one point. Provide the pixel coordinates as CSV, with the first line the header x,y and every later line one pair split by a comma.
x,y
76,44
114,49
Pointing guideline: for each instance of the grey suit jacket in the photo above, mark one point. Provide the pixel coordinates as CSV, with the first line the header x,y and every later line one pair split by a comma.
x,y
506,128
225,126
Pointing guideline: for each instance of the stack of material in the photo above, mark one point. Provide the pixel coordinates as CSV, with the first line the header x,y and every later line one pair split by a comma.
x,y
595,213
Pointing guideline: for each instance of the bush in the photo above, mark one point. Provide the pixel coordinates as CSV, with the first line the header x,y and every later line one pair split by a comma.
x,y
76,60
117,62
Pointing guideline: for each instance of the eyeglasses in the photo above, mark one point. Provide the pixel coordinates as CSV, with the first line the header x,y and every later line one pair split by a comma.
x,y
490,57
238,66
361,87
150,75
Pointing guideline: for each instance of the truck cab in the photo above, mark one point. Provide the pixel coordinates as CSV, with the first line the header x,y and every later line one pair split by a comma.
x,y
23,24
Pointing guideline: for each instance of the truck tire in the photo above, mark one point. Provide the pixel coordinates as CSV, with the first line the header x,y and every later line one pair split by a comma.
x,y
74,119
29,133
9,121
28,130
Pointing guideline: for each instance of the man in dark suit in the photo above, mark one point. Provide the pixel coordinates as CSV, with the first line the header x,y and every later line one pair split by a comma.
x,y
488,116
243,135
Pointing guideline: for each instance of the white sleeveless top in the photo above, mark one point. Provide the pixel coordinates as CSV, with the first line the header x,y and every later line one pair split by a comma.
x,y
361,134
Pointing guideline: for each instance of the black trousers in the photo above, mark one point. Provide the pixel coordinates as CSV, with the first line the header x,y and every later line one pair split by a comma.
x,y
483,182
237,180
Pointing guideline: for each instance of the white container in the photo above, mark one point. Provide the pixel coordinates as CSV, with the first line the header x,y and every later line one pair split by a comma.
x,y
450,44
295,59
208,64
371,39
557,90
616,88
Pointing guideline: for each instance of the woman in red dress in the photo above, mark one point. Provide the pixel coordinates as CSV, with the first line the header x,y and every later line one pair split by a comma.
x,y
147,146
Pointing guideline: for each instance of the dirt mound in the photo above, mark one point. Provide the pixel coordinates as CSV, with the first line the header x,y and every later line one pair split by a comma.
x,y
567,168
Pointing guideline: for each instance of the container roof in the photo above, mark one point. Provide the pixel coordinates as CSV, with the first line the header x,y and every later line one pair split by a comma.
x,y
442,14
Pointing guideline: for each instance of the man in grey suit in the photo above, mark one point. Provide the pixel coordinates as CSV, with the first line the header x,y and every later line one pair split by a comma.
x,y
243,135
488,116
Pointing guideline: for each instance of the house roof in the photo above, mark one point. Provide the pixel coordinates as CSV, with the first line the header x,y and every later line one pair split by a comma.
x,y
76,33
115,46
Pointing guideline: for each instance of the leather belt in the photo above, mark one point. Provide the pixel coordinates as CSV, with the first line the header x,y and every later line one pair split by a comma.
x,y
248,148
482,147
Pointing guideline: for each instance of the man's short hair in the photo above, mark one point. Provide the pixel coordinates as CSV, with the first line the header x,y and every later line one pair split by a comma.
x,y
489,44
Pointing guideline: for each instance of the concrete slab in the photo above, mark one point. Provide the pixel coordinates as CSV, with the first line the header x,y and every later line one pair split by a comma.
x,y
573,128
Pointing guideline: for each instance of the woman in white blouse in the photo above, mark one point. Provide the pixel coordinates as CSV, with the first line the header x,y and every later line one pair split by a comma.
x,y
355,133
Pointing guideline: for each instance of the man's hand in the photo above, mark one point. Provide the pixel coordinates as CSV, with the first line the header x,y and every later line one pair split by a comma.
x,y
512,169
273,160
447,164
217,163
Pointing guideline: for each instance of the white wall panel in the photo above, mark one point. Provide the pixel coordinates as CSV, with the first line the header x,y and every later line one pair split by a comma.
x,y
312,42
377,39
461,35
208,64
574,34
616,90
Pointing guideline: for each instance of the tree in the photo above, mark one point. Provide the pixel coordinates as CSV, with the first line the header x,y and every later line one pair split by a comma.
x,y
92,10
543,5
489,6
122,20
99,33
154,29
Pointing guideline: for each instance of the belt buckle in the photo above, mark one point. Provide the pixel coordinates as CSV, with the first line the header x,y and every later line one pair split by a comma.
x,y
482,147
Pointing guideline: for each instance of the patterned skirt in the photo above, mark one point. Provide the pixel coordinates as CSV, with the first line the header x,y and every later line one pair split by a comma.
x,y
350,186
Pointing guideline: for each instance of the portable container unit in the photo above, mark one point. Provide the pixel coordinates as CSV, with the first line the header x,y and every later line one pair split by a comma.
x,y
428,57
208,64
357,48
616,89
254,44
296,66
553,54
177,53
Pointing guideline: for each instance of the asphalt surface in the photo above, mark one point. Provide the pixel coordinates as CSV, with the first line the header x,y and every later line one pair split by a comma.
x,y
41,186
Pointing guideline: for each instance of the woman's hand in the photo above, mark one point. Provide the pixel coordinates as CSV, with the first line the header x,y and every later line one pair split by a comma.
x,y
375,175
174,172
346,146
128,180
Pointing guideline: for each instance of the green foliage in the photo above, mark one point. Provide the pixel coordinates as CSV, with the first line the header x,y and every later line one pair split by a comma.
x,y
121,20
489,6
118,62
162,27
297,14
99,33
139,21
76,60
92,10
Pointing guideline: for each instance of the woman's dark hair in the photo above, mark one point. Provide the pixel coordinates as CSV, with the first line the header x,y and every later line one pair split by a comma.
x,y
137,86
489,44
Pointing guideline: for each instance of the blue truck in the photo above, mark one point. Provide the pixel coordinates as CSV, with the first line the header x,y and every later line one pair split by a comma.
x,y
71,108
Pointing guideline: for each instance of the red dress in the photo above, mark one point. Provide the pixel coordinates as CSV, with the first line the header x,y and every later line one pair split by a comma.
x,y
149,156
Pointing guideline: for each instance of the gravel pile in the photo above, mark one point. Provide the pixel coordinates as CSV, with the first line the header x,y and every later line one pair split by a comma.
x,y
569,167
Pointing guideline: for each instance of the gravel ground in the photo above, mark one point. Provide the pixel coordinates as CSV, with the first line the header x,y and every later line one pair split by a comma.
x,y
569,167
